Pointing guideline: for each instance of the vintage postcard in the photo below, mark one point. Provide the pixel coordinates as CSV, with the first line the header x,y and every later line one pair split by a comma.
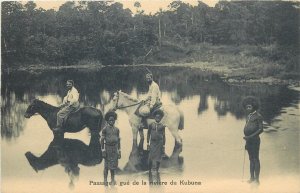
x,y
150,96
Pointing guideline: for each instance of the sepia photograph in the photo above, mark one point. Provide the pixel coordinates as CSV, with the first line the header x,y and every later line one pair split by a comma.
x,y
150,96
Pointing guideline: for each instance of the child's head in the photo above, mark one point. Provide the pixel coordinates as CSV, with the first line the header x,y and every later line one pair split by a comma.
x,y
250,104
111,118
158,115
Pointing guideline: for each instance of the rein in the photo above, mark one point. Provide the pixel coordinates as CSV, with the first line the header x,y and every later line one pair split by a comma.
x,y
117,106
129,105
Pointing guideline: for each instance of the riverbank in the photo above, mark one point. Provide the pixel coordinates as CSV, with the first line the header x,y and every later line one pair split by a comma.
x,y
227,73
268,64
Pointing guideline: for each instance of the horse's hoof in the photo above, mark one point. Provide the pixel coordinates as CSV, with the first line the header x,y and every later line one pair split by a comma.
x,y
180,160
58,135
165,157
31,159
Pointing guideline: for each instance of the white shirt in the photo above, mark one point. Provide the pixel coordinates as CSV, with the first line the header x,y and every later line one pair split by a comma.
x,y
154,93
72,96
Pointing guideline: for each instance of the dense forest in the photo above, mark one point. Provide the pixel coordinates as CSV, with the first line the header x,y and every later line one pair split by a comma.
x,y
106,33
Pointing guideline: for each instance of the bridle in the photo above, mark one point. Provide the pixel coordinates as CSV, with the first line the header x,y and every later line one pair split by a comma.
x,y
31,109
123,107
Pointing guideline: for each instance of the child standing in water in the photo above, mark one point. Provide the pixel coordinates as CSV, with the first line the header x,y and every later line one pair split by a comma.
x,y
111,147
156,137
252,130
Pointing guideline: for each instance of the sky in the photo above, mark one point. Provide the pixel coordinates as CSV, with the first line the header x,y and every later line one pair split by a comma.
x,y
149,6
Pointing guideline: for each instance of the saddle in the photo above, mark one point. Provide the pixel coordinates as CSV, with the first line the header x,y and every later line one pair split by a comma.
x,y
144,124
71,114
150,116
76,110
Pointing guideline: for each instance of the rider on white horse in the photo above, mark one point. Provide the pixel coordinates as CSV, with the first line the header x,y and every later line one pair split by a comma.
x,y
152,101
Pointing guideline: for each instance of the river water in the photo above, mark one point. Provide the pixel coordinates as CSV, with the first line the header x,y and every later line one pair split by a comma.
x,y
213,148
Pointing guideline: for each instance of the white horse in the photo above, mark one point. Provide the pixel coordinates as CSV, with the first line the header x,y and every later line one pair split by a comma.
x,y
173,117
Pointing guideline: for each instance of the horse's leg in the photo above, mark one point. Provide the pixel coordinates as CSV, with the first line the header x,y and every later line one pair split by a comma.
x,y
176,150
59,135
178,141
134,159
174,131
175,159
94,124
141,143
134,138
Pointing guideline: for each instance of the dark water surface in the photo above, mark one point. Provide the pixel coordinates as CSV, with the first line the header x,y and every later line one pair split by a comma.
x,y
212,138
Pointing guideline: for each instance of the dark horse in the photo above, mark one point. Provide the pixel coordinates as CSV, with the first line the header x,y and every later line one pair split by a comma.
x,y
68,153
85,117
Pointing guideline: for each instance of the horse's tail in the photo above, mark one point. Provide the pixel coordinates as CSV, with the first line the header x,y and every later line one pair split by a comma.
x,y
101,123
181,121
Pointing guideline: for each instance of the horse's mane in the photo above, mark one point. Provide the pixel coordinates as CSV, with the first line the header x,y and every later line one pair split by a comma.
x,y
129,97
44,103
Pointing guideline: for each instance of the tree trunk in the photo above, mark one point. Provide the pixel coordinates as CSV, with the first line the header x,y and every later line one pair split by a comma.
x,y
5,46
159,32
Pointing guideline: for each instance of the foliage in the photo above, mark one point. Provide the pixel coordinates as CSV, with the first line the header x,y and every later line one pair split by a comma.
x,y
109,34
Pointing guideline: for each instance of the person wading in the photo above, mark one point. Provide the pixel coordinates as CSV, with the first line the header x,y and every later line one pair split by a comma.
x,y
111,147
252,130
156,140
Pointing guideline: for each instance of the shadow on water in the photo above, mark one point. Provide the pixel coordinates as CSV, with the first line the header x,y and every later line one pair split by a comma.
x,y
180,83
68,153
203,90
138,160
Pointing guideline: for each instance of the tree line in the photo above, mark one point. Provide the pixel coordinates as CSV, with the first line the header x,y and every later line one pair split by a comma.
x,y
106,32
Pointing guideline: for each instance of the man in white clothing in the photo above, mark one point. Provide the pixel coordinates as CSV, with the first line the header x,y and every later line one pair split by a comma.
x,y
153,92
70,103
152,102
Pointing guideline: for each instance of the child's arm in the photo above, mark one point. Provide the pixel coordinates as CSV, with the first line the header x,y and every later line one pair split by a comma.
x,y
103,135
119,145
260,126
254,134
119,140
148,136
259,131
164,136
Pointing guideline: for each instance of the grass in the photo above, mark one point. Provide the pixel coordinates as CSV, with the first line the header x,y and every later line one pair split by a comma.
x,y
250,61
244,61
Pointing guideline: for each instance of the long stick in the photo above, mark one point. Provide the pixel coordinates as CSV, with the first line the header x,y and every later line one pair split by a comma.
x,y
244,165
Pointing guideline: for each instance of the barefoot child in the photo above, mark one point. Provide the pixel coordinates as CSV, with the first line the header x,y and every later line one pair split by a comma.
x,y
252,130
111,148
157,139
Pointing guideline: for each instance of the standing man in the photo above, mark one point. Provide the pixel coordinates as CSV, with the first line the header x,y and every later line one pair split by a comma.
x,y
252,130
111,147
70,104
156,141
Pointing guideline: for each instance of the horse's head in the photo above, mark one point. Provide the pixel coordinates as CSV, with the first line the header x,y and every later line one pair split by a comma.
x,y
113,104
121,100
32,109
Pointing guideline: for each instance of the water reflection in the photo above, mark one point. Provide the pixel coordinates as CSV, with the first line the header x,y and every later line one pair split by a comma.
x,y
138,160
213,129
12,111
68,153
97,86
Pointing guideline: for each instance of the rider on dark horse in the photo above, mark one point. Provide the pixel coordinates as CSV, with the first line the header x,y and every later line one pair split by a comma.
x,y
69,105
68,117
